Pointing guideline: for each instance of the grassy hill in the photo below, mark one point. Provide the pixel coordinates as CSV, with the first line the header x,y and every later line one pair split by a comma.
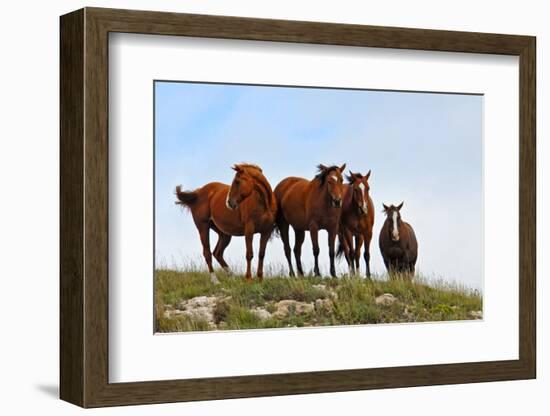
x,y
188,301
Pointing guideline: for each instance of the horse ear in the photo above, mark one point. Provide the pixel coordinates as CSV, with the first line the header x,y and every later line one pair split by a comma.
x,y
386,208
342,168
367,175
400,206
350,177
236,168
321,167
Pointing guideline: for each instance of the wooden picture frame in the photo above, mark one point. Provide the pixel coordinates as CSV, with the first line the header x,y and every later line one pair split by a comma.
x,y
84,207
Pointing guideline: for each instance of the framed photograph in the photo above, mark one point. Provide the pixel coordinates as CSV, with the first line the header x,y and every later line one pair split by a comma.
x,y
255,207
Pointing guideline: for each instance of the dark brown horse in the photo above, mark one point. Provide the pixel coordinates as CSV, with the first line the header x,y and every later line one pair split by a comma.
x,y
356,221
246,207
310,206
398,243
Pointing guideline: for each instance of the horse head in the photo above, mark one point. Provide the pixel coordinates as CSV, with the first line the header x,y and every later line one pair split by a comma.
x,y
332,178
393,215
359,186
247,179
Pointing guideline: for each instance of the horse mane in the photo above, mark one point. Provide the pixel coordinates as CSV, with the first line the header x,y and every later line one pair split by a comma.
x,y
349,178
323,172
245,166
263,185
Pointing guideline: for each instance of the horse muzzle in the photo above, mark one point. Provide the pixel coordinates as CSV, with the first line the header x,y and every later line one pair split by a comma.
x,y
337,203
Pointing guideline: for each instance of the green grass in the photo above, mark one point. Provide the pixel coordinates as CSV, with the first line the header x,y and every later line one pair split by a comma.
x,y
350,301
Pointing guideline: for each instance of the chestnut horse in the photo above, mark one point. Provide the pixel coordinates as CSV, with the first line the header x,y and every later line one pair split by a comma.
x,y
245,208
310,206
356,221
398,243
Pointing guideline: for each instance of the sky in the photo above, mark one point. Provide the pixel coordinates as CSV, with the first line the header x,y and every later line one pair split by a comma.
x,y
425,149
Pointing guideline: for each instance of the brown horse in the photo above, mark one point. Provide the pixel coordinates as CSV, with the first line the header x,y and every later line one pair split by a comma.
x,y
356,221
246,207
398,243
310,206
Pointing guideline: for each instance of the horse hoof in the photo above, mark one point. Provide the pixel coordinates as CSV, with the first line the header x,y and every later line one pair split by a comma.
x,y
214,279
228,271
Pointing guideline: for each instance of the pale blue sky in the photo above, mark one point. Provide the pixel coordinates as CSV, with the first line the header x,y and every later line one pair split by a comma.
x,y
423,148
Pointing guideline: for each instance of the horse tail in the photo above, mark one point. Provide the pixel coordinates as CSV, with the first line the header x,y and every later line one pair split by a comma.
x,y
186,198
279,217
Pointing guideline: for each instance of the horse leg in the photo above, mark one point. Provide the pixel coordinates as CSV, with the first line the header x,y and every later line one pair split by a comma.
x,y
204,232
366,254
357,253
298,241
283,230
411,269
223,242
345,238
314,234
264,238
249,255
331,241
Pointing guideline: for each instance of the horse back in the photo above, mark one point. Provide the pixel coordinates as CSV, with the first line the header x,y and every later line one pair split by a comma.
x,y
206,196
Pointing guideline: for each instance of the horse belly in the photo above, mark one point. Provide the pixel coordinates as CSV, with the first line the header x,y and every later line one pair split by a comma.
x,y
328,220
395,253
292,206
296,218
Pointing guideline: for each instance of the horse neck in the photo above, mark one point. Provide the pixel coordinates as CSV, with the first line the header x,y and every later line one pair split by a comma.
x,y
263,189
319,191
348,204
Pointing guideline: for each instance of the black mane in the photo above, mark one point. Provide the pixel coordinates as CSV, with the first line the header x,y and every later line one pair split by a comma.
x,y
350,179
323,172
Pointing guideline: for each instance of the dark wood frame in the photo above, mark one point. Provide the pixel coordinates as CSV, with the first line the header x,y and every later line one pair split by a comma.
x,y
84,207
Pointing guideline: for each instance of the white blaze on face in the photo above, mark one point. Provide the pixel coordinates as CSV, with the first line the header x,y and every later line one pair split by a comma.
x,y
364,207
395,230
334,177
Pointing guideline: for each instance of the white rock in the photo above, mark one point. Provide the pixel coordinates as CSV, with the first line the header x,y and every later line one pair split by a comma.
x,y
476,314
323,305
198,308
386,299
261,313
199,301
299,308
202,313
